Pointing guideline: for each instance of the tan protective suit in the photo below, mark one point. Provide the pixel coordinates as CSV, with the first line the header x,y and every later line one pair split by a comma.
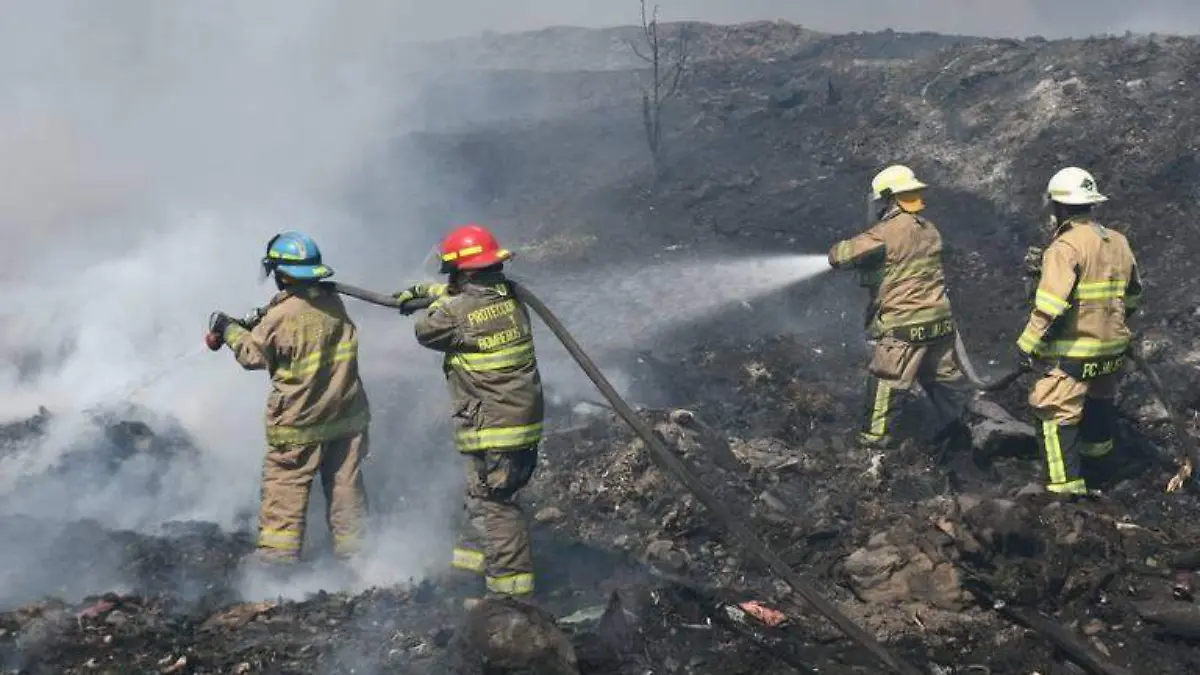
x,y
1078,336
316,418
490,365
912,324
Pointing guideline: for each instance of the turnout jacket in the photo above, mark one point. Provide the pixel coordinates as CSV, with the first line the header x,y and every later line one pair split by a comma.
x,y
309,345
903,254
490,365
1089,285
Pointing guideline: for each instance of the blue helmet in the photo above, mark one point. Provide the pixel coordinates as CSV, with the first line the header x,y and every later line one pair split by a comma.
x,y
296,255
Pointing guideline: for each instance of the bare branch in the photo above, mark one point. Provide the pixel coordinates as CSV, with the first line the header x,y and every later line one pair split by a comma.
x,y
638,52
668,60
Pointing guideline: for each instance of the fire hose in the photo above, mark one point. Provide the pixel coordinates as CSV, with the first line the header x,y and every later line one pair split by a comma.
x,y
964,362
675,467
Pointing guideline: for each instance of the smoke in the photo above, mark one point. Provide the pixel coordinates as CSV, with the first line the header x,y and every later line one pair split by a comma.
x,y
147,152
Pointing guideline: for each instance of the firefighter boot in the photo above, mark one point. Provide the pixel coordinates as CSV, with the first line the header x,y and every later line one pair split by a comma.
x,y
1060,444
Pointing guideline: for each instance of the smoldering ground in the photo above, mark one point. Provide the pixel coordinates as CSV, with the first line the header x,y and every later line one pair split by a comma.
x,y
147,157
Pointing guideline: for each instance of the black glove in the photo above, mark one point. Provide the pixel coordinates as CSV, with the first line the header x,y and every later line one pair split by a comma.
x,y
409,306
218,322
1024,360
1033,261
252,318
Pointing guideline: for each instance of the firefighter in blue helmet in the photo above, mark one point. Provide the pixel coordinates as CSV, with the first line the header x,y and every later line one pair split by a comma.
x,y
317,412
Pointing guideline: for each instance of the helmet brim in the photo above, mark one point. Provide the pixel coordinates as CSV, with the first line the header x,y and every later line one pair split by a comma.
x,y
306,271
483,260
900,188
1073,200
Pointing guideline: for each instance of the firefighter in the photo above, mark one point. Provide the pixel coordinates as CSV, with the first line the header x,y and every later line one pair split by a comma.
x,y
317,410
910,320
486,336
1076,337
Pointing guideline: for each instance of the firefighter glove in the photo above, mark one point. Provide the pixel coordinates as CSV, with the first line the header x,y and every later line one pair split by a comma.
x,y
417,296
253,317
1024,361
1033,261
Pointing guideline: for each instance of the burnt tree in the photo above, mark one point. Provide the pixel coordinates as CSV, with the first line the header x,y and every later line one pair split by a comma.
x,y
667,57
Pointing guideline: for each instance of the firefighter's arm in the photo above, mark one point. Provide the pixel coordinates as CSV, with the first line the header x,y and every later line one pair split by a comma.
x,y
1050,301
429,290
438,329
865,250
252,348
1133,291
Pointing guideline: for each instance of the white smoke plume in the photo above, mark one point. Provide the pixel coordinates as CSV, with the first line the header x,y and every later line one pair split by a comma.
x,y
148,150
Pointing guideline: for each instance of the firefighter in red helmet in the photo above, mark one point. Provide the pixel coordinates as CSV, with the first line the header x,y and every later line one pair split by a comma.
x,y
485,333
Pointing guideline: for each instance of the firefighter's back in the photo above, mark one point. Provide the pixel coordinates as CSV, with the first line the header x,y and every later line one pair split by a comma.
x,y
315,380
1104,268
913,285
494,374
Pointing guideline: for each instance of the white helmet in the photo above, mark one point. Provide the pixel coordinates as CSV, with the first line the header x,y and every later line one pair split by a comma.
x,y
895,179
1074,186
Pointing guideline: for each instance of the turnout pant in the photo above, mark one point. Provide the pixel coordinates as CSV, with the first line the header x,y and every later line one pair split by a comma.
x,y
1075,420
288,474
495,541
895,367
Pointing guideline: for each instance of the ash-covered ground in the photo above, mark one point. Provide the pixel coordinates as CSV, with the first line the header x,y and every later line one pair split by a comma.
x,y
932,549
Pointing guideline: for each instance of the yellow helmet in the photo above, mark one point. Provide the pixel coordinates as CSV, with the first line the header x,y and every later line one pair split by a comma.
x,y
1073,186
893,180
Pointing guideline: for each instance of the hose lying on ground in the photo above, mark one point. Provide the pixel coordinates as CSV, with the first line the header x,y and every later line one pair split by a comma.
x,y
964,362
680,471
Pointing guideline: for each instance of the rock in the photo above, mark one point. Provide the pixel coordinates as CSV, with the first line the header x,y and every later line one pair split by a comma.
x,y
550,514
508,637
664,553
996,433
888,573
1181,619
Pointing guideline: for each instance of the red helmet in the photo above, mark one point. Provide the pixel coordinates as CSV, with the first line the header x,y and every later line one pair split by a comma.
x,y
471,247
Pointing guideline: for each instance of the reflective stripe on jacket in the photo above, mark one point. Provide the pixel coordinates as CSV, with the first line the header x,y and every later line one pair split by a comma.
x,y
1089,284
490,364
904,251
309,345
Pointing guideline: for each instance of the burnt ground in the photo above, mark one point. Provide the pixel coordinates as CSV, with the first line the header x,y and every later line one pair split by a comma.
x,y
772,143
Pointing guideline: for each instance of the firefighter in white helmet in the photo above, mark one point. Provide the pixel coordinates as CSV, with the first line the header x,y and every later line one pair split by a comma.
x,y
1076,338
909,316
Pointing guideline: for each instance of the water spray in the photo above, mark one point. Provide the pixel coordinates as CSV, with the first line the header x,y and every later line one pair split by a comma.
x,y
637,302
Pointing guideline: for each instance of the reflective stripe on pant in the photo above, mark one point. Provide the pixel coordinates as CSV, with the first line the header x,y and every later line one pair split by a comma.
x,y
288,473
895,367
1060,444
496,539
881,410
1082,414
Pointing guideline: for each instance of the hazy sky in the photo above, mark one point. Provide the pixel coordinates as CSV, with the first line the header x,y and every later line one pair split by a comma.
x,y
1051,18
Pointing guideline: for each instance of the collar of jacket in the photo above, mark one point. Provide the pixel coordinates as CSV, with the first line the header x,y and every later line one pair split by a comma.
x,y
1081,219
896,210
484,280
301,291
